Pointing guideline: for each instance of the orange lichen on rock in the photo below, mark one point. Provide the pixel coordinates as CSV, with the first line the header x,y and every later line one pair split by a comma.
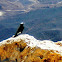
x,y
20,52
58,43
11,50
40,55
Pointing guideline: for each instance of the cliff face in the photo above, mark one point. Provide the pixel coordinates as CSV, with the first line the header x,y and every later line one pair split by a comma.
x,y
25,48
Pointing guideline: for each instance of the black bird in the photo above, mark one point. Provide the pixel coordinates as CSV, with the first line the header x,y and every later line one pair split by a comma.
x,y
20,29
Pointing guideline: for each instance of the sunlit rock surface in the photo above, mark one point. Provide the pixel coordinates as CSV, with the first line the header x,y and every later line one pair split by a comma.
x,y
25,48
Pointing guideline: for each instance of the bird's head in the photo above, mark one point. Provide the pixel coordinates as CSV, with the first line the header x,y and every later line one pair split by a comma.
x,y
21,23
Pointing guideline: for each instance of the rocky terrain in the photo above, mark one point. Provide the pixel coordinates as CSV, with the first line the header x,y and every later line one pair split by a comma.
x,y
25,48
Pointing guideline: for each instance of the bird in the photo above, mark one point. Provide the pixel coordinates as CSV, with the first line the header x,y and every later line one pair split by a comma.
x,y
20,29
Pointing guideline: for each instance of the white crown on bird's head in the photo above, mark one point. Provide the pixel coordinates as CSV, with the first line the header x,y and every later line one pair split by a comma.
x,y
21,23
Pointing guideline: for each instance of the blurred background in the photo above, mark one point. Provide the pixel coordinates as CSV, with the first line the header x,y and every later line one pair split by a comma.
x,y
42,18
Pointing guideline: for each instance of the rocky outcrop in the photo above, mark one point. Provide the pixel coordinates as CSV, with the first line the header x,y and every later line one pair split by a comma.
x,y
25,48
